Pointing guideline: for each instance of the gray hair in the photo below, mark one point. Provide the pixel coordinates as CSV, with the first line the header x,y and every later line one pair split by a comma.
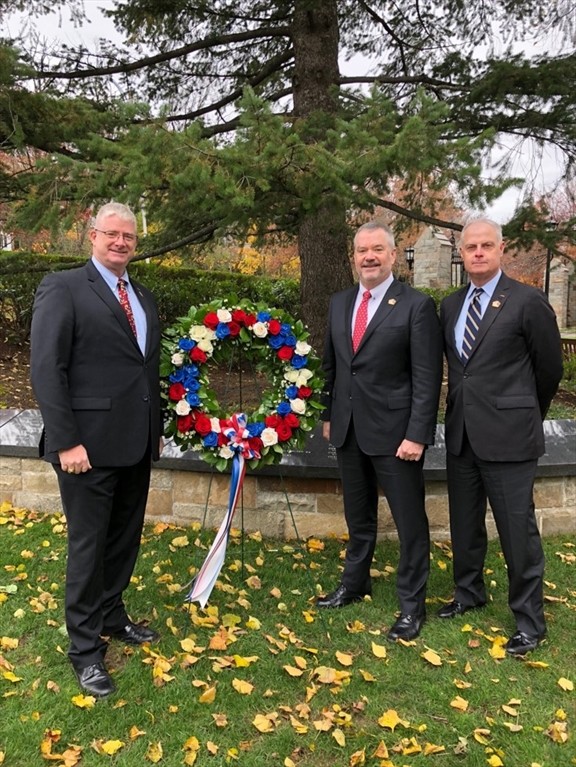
x,y
371,225
113,209
483,220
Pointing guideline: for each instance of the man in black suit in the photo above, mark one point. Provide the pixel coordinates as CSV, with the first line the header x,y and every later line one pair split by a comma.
x,y
382,391
95,373
503,371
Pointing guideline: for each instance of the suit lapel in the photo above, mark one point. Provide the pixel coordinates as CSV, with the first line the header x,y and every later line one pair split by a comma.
x,y
103,291
389,301
493,309
148,310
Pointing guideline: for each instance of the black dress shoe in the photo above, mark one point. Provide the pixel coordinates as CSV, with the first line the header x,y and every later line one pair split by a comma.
x,y
521,643
135,633
339,598
455,608
406,627
95,680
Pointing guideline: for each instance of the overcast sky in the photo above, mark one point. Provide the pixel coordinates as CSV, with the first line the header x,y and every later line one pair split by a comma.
x,y
58,25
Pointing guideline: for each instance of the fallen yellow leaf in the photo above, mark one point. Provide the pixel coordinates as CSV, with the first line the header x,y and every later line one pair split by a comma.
x,y
459,703
344,658
565,684
339,737
378,650
432,658
391,720
208,696
242,687
154,752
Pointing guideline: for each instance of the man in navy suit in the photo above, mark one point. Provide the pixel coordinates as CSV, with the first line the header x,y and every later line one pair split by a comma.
x,y
382,394
502,376
95,374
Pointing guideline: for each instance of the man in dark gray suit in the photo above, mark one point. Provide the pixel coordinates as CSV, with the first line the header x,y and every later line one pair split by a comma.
x,y
504,367
382,390
95,347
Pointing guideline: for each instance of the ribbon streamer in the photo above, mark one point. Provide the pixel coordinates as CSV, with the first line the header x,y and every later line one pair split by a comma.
x,y
205,579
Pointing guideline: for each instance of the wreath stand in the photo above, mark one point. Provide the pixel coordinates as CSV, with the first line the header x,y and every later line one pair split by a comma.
x,y
222,535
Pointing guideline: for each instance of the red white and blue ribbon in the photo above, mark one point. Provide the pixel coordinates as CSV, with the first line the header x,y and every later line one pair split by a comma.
x,y
206,577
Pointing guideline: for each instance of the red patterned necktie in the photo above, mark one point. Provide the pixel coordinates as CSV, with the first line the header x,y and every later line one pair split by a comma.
x,y
125,304
361,320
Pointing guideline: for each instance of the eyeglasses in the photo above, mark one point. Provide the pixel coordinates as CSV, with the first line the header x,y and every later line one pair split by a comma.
x,y
112,235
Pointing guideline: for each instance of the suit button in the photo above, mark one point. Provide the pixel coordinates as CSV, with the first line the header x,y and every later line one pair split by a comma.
x,y
146,398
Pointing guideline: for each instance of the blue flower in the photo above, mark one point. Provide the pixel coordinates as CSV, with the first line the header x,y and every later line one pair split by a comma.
x,y
286,328
192,384
177,376
256,429
284,408
298,361
276,342
263,316
222,330
292,392
186,344
193,399
210,440
290,339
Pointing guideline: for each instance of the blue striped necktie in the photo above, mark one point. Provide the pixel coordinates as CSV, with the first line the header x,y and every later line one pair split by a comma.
x,y
473,319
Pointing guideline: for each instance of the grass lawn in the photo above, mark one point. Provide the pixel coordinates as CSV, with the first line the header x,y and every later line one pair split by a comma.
x,y
260,677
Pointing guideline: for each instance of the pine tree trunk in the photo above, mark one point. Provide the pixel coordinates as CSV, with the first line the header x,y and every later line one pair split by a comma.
x,y
322,235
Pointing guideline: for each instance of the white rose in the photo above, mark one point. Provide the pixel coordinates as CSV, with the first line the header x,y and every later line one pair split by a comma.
x,y
177,359
302,348
197,332
269,437
260,329
225,452
206,346
298,406
182,407
215,425
224,315
304,376
292,375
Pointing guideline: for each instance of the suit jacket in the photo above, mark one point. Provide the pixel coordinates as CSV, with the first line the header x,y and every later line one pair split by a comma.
x,y
391,385
503,393
92,383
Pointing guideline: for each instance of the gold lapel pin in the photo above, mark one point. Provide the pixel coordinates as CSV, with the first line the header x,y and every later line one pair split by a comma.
x,y
391,301
496,304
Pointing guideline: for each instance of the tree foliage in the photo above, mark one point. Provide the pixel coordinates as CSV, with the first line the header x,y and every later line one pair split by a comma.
x,y
227,117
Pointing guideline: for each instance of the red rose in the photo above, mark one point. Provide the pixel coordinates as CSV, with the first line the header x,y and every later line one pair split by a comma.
x,y
176,392
234,328
222,439
284,432
250,320
203,425
285,353
239,316
272,421
256,444
184,422
274,327
197,355
304,392
211,320
292,421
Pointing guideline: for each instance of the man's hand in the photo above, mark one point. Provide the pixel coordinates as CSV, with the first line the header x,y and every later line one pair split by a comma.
x,y
326,430
410,451
74,460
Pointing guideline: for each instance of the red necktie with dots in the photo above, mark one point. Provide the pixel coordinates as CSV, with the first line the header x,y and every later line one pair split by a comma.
x,y
125,304
361,320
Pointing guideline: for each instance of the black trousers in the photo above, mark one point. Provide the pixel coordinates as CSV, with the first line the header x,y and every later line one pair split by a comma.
x,y
104,511
509,488
403,485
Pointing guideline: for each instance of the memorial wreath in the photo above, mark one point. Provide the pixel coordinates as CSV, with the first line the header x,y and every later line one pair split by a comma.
x,y
276,346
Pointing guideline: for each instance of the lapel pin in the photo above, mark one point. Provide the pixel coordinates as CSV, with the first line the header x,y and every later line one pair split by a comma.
x,y
496,304
391,301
